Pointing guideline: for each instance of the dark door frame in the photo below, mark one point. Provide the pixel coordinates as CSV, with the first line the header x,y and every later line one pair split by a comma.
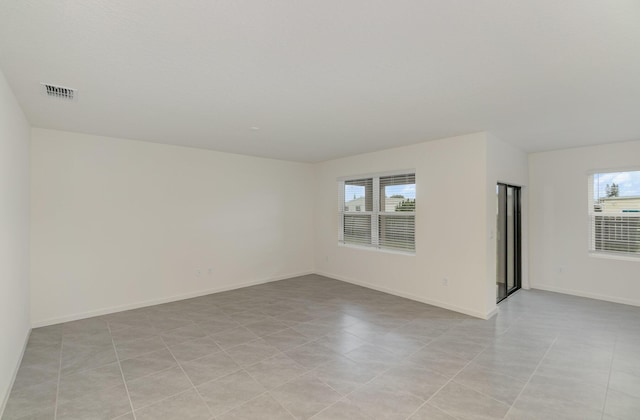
x,y
517,248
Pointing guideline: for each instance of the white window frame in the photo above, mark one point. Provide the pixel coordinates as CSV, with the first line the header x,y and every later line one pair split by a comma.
x,y
591,218
374,214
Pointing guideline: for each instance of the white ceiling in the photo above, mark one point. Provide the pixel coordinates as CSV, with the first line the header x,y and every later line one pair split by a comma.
x,y
329,78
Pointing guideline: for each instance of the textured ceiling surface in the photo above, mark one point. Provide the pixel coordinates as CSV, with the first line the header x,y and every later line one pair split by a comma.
x,y
314,80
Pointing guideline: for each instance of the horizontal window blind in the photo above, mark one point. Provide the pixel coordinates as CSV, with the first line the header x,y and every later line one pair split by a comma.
x,y
405,179
397,231
615,233
357,229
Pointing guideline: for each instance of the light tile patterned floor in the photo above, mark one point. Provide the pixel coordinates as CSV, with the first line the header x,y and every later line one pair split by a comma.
x,y
313,347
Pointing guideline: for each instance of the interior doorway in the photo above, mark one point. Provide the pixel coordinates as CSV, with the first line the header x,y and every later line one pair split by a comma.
x,y
508,234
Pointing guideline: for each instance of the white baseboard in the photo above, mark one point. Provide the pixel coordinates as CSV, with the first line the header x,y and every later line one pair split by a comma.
x,y
443,305
579,293
5,398
137,305
492,313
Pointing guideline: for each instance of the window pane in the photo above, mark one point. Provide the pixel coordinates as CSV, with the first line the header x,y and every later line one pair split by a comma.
x,y
398,193
358,195
357,229
615,223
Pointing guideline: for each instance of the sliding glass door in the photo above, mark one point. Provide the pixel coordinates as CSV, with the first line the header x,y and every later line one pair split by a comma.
x,y
508,230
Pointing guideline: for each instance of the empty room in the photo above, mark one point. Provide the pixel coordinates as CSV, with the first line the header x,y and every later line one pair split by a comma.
x,y
327,210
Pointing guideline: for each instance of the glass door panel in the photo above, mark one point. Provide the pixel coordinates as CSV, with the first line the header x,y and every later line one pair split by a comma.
x,y
501,265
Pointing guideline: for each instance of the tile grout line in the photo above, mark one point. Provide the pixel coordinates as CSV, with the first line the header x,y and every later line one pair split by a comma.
x,y
126,388
457,373
146,353
156,372
405,359
531,376
482,393
55,410
242,368
187,376
221,350
267,390
345,396
162,400
86,369
606,392
445,384
436,408
150,374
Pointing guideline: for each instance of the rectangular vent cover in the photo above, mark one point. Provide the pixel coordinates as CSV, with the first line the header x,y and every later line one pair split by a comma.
x,y
59,92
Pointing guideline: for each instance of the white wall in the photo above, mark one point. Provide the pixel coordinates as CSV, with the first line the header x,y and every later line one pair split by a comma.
x,y
451,225
559,225
119,223
509,165
125,223
14,236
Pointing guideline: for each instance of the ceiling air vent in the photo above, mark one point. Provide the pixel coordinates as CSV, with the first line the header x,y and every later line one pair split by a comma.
x,y
59,92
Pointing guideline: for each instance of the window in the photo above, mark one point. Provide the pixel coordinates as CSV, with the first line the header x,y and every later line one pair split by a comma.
x,y
379,211
614,213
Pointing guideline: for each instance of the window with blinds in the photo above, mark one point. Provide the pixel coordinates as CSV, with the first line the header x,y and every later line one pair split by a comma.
x,y
614,213
379,211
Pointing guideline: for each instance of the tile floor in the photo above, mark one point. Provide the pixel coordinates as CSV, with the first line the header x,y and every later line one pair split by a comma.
x,y
317,348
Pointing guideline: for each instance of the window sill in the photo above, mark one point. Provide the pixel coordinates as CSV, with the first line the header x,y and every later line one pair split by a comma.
x,y
610,256
384,250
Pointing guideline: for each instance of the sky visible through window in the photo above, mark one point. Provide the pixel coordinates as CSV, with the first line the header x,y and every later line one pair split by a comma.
x,y
352,192
407,190
628,183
